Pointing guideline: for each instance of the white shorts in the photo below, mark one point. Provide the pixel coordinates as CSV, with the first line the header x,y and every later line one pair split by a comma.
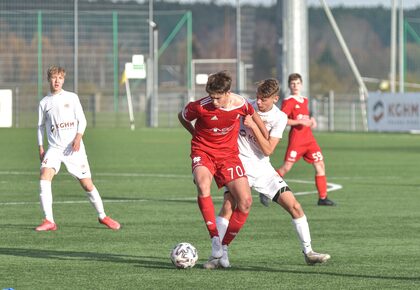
x,y
262,177
76,162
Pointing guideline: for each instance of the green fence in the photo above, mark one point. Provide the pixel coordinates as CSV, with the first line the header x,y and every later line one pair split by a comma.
x,y
94,56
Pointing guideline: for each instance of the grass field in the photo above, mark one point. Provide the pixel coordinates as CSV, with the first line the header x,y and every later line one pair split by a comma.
x,y
144,178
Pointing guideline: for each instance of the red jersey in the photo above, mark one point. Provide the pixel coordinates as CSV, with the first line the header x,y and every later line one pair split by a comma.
x,y
216,129
296,108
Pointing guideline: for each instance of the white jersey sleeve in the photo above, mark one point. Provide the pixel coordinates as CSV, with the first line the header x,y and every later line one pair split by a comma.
x,y
41,125
278,123
80,115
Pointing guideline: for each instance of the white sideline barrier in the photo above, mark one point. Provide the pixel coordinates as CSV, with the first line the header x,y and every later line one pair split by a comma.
x,y
6,108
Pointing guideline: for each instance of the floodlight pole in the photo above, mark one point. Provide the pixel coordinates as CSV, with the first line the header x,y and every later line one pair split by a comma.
x,y
154,102
239,84
151,86
76,46
401,47
393,45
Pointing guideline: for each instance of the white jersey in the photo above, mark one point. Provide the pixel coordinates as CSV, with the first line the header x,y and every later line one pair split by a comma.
x,y
61,116
262,176
274,120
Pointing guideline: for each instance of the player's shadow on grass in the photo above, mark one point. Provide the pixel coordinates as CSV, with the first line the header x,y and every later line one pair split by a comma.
x,y
320,271
192,199
138,261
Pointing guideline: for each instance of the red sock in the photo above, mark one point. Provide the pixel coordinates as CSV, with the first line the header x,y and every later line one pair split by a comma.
x,y
237,220
207,211
321,186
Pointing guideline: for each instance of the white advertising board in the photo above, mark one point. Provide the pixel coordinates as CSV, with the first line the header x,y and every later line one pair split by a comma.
x,y
137,68
399,112
6,108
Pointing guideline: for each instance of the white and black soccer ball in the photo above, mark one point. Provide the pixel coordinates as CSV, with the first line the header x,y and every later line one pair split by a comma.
x,y
184,255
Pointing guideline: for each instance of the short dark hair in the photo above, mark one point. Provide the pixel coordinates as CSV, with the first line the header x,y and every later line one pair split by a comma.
x,y
219,83
54,69
294,76
268,88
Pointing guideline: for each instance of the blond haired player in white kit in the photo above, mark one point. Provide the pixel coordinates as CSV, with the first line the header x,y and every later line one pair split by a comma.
x,y
254,152
61,116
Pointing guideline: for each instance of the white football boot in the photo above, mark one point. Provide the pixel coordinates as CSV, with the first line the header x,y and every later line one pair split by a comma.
x,y
216,247
224,260
212,263
313,258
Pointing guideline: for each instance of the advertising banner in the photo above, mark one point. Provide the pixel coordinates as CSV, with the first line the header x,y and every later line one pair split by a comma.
x,y
399,112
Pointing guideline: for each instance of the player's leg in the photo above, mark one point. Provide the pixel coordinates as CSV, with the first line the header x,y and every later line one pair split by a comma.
x,y
314,156
50,166
46,200
96,201
93,195
321,183
287,200
77,165
203,178
226,211
222,223
239,188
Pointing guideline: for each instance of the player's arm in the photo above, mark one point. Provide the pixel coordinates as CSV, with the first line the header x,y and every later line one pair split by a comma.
x,y
257,119
187,125
81,125
41,132
303,122
76,142
267,145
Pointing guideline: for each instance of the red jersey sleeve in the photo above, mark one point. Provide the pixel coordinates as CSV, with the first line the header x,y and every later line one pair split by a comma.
x,y
191,111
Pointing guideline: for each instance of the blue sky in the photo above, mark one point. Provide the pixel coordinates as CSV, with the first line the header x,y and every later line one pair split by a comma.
x,y
387,3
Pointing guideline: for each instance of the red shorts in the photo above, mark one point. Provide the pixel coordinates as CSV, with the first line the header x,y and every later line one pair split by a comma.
x,y
311,152
224,170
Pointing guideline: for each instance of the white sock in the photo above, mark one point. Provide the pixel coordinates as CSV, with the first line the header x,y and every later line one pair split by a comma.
x,y
96,201
45,197
222,225
302,229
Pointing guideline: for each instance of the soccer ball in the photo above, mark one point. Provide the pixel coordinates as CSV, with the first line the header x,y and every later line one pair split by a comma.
x,y
184,255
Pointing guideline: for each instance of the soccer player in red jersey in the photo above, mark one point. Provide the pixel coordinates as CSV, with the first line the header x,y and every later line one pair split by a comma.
x,y
302,142
214,154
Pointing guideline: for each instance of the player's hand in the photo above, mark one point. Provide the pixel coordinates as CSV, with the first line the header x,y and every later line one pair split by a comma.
x,y
41,153
76,143
249,122
314,124
306,122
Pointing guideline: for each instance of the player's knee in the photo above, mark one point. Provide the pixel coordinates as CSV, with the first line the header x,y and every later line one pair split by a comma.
x,y
297,210
244,205
203,189
87,184
47,174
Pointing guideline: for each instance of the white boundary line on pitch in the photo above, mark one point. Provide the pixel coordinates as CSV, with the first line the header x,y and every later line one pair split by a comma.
x,y
331,187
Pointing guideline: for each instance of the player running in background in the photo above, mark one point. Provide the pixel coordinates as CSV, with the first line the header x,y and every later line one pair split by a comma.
x,y
254,152
302,142
214,154
61,116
